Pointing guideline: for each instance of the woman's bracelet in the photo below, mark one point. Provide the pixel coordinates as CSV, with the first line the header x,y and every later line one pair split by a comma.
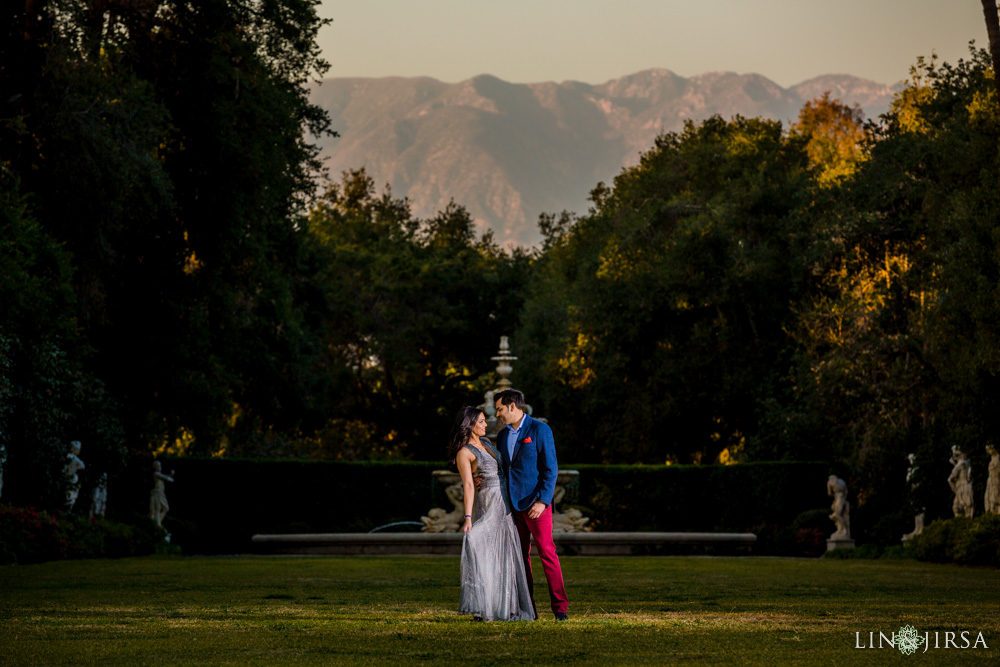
x,y
468,516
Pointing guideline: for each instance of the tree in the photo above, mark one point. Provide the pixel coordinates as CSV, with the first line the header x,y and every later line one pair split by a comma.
x,y
167,145
897,338
413,311
834,134
47,398
657,319
993,32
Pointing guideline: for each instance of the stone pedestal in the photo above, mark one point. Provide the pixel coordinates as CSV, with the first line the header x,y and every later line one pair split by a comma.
x,y
918,527
447,485
832,544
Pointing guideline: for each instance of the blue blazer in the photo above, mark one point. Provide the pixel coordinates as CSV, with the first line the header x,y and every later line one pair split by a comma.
x,y
532,471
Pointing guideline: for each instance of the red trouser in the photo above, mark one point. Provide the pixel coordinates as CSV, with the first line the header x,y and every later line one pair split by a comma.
x,y
541,530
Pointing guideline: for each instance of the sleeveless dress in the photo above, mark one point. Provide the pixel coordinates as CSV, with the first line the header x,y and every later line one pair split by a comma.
x,y
494,586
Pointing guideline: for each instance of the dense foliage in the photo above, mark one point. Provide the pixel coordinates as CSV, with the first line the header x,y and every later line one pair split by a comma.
x,y
176,277
410,313
828,292
662,311
165,286
133,134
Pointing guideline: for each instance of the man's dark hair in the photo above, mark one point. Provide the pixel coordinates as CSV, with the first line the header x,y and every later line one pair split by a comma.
x,y
510,397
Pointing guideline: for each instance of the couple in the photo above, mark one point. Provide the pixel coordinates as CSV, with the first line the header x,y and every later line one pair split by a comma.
x,y
513,504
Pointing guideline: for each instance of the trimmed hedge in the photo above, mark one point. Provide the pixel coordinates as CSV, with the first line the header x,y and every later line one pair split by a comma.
x,y
700,498
217,505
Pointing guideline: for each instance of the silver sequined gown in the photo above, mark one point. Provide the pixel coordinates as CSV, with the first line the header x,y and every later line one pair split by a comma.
x,y
494,586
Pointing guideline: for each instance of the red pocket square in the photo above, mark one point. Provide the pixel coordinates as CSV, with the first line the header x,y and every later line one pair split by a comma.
x,y
526,441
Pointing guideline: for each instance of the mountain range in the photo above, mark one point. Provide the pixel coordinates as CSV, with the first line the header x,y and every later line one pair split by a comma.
x,y
510,151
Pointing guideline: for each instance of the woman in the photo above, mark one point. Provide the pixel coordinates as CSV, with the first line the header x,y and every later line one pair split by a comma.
x,y
494,586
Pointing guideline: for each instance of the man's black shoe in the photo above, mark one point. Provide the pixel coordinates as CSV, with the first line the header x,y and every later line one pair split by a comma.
x,y
561,617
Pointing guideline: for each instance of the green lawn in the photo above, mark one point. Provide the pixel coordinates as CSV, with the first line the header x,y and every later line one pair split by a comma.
x,y
318,611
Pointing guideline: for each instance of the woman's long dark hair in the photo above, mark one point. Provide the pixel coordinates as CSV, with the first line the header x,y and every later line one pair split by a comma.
x,y
461,432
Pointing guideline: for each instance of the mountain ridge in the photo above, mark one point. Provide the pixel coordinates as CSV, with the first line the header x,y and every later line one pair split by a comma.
x,y
511,151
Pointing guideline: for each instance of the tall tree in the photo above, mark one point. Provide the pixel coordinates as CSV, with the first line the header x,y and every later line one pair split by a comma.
x,y
834,134
413,309
993,32
657,319
897,337
47,398
167,146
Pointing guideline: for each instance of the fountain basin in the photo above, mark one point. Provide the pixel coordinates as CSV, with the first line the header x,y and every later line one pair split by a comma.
x,y
567,544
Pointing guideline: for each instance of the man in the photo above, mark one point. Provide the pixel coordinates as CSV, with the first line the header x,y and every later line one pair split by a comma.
x,y
529,457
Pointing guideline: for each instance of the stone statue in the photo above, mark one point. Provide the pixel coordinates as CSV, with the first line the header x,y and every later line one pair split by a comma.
x,y
918,520
441,521
570,521
841,515
3,462
158,506
73,465
99,499
960,481
993,481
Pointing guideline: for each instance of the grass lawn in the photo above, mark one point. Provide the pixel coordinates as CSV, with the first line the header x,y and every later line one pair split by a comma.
x,y
368,610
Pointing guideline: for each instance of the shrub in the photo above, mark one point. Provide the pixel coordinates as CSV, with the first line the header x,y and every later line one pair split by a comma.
x,y
961,540
811,541
818,519
899,552
28,535
979,544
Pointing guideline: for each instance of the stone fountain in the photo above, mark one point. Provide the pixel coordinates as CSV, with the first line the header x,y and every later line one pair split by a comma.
x,y
504,369
440,532
440,520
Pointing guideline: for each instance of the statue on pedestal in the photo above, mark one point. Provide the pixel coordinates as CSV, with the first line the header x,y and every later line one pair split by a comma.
x,y
993,481
73,465
99,499
960,481
918,520
841,515
158,506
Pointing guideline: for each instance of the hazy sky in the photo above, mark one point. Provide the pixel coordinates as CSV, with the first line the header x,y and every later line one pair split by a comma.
x,y
593,41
